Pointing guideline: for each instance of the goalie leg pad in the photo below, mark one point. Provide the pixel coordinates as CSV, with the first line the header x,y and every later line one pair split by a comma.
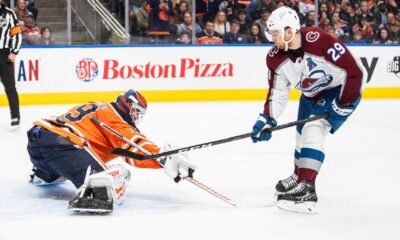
x,y
101,192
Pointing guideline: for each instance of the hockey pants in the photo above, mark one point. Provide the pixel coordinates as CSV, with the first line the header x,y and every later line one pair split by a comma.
x,y
55,156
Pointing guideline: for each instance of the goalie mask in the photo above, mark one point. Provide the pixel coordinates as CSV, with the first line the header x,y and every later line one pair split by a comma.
x,y
134,104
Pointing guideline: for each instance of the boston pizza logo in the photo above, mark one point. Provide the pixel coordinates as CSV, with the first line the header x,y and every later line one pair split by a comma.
x,y
312,36
87,69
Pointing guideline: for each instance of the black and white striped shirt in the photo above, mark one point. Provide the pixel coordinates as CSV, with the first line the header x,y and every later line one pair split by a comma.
x,y
10,31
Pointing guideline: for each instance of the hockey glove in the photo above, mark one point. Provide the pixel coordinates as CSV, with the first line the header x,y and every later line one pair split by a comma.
x,y
177,166
263,122
338,114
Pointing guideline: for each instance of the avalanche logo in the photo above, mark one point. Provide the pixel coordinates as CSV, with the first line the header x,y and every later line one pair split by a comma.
x,y
312,36
87,70
394,66
314,82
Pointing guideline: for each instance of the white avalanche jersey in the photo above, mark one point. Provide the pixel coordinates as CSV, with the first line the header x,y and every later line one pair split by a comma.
x,y
323,63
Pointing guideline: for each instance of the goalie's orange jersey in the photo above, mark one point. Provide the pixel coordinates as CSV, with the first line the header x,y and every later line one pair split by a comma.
x,y
77,126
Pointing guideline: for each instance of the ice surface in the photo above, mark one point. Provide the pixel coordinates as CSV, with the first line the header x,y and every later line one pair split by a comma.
x,y
357,187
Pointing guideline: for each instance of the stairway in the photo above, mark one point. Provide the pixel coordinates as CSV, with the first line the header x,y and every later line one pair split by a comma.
x,y
53,14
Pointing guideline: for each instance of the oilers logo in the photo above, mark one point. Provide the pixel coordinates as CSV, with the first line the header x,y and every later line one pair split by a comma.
x,y
314,82
87,70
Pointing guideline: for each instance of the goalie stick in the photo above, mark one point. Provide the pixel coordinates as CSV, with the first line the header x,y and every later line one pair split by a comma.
x,y
188,178
126,153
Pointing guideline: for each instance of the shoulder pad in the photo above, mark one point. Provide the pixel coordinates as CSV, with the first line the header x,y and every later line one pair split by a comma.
x,y
275,57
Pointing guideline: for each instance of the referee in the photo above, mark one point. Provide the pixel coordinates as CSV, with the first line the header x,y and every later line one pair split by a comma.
x,y
10,43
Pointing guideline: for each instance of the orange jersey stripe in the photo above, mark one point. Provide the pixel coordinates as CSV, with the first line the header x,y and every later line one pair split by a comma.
x,y
15,30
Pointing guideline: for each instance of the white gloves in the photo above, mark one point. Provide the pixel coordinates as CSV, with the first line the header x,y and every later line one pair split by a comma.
x,y
177,166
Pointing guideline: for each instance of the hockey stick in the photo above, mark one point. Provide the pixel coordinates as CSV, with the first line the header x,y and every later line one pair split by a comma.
x,y
188,178
126,153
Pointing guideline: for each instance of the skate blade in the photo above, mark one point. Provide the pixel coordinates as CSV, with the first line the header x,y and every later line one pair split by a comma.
x,y
90,211
303,207
15,128
38,182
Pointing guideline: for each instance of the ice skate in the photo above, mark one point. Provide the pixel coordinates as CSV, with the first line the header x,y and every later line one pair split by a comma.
x,y
301,199
15,124
286,184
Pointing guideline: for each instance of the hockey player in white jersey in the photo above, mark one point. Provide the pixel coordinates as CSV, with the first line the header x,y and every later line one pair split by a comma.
x,y
331,81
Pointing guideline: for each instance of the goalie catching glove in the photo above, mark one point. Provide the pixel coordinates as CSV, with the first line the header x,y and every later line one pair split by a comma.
x,y
177,166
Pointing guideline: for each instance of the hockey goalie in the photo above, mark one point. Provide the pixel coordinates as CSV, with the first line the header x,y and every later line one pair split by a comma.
x,y
73,147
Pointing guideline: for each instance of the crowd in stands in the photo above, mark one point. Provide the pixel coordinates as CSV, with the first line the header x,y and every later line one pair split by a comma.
x,y
32,34
244,21
233,21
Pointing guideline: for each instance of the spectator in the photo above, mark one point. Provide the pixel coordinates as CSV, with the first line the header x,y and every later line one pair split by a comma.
x,y
256,36
209,35
364,12
382,37
310,19
26,41
263,5
32,9
201,11
135,5
352,18
142,17
31,29
229,7
392,6
341,29
324,21
184,38
331,30
344,15
364,29
380,15
324,8
222,26
180,10
357,38
397,15
186,26
305,6
21,10
45,37
161,12
134,30
234,36
393,27
244,22
262,21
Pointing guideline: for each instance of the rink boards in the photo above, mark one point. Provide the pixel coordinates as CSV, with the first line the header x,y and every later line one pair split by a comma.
x,y
172,73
